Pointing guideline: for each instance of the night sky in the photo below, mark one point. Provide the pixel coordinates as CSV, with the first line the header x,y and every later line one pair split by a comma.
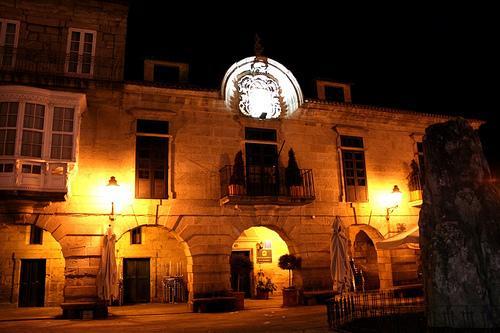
x,y
432,59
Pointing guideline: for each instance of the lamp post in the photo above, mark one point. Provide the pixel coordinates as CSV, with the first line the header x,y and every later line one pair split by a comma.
x,y
112,189
394,199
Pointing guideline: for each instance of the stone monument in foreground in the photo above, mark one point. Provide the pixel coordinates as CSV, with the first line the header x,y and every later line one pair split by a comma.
x,y
459,230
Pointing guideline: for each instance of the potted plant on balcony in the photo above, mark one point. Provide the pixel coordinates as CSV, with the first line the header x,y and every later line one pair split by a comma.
x,y
241,266
414,181
264,286
237,179
293,177
290,294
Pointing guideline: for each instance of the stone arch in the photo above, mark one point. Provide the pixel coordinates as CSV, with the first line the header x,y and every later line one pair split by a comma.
x,y
169,255
298,238
268,239
365,257
15,246
371,236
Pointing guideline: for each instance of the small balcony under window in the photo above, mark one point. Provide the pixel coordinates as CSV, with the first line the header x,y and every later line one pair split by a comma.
x,y
33,180
266,185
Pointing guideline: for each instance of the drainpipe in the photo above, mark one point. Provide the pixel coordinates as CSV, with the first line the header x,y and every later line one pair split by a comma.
x,y
13,277
156,275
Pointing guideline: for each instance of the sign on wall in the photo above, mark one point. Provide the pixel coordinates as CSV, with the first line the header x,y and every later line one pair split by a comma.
x,y
264,256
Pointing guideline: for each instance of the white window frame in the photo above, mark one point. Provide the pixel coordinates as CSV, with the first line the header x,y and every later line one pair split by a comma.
x,y
46,131
80,51
3,31
54,172
21,130
62,132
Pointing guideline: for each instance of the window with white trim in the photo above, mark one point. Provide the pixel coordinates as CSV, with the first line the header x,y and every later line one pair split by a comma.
x,y
80,51
62,133
37,130
38,139
9,36
8,127
32,142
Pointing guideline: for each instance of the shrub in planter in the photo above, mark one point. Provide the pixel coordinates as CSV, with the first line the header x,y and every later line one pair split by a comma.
x,y
237,179
290,294
293,177
289,262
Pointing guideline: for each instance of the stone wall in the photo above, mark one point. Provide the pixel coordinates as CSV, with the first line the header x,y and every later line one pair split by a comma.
x,y
45,25
14,241
405,266
167,257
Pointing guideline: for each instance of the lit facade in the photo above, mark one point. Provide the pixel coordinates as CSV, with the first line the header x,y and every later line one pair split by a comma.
x,y
69,122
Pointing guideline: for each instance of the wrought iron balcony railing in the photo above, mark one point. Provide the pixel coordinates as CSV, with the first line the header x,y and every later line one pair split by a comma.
x,y
266,185
53,63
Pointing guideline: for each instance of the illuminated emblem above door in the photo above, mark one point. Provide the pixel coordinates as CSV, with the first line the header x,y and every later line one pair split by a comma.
x,y
259,93
261,88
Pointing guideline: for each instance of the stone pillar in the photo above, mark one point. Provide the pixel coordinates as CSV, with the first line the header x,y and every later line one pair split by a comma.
x,y
384,269
459,230
83,255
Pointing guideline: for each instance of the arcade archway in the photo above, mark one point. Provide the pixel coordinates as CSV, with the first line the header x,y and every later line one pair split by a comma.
x,y
365,257
263,247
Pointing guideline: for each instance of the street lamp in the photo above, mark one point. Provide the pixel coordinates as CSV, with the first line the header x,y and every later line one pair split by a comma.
x,y
393,201
112,189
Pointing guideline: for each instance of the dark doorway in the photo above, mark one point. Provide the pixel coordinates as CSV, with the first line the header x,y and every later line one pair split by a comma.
x,y
32,283
245,280
262,169
136,281
365,257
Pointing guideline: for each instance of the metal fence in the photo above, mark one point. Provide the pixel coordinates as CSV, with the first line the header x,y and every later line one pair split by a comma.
x,y
174,289
403,310
348,307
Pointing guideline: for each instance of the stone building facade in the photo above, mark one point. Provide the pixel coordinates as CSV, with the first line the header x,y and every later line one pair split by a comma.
x,y
69,122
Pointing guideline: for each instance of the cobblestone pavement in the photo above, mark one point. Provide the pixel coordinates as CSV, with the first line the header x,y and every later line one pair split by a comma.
x,y
258,316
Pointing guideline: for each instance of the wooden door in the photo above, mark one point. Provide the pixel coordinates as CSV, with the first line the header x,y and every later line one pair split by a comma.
x,y
32,283
245,283
136,280
262,169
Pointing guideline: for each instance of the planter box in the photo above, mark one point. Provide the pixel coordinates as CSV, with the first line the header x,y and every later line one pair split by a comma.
x,y
290,297
240,299
260,294
297,191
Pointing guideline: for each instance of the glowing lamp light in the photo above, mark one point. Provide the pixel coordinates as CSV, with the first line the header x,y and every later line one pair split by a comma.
x,y
392,202
395,197
112,192
260,103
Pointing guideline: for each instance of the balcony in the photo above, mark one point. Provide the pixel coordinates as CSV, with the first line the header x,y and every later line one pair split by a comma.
x,y
266,186
56,68
26,179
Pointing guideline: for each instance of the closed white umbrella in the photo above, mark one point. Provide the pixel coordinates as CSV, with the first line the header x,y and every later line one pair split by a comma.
x,y
340,267
107,277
